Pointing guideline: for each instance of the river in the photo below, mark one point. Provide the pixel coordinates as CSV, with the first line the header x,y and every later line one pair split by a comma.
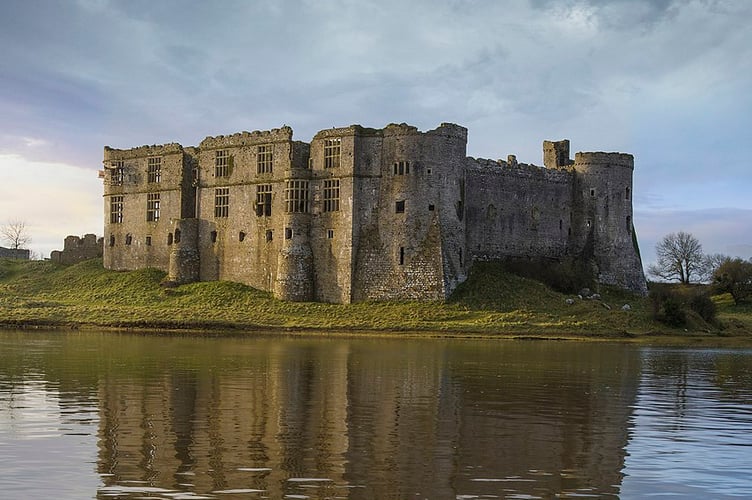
x,y
125,415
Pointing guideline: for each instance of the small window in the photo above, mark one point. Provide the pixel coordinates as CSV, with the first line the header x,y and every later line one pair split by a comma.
x,y
288,233
431,207
296,197
152,207
399,207
561,224
117,172
626,194
331,195
222,202
264,200
588,223
461,257
177,236
241,236
112,240
401,167
148,241
154,169
222,163
269,235
629,224
428,171
402,256
330,233
213,235
332,152
592,193
169,239
116,209
264,159
128,239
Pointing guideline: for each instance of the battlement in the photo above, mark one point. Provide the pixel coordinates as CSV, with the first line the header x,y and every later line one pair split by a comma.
x,y
281,134
142,151
602,158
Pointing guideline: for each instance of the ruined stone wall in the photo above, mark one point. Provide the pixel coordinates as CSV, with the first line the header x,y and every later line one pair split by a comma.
x,y
76,249
14,253
135,242
517,210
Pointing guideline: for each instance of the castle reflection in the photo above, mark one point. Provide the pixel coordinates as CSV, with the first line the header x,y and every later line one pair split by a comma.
x,y
357,419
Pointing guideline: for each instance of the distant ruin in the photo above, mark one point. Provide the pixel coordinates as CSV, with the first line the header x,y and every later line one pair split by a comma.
x,y
15,253
77,249
362,214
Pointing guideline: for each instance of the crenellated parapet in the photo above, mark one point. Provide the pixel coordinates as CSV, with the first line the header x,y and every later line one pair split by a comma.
x,y
240,139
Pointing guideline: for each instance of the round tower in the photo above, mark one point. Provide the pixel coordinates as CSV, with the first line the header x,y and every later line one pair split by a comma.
x,y
184,260
295,260
603,218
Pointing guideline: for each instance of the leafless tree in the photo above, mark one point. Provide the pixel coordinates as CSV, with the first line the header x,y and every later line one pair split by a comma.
x,y
680,258
15,234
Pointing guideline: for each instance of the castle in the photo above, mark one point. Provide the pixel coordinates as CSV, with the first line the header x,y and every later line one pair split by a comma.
x,y
362,214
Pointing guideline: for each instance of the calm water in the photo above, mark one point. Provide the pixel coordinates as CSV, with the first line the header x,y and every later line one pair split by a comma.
x,y
88,415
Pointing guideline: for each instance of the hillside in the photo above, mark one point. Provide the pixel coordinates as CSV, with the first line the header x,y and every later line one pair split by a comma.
x,y
490,302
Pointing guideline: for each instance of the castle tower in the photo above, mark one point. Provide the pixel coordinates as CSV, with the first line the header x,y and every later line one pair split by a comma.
x,y
184,257
295,276
604,218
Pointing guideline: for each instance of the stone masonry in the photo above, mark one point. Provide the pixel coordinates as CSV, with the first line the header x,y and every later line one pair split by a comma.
x,y
76,249
362,214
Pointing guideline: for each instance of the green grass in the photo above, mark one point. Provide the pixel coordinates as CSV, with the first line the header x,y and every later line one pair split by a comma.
x,y
490,302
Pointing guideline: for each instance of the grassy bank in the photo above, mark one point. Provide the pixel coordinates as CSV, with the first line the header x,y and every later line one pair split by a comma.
x,y
491,302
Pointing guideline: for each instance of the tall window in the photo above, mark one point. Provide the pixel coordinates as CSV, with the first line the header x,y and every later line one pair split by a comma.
x,y
155,169
264,159
296,197
401,168
222,163
331,195
116,209
264,200
221,202
116,173
152,207
332,151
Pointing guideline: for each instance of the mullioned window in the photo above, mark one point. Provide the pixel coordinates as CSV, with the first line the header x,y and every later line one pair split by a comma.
x,y
222,202
154,169
152,207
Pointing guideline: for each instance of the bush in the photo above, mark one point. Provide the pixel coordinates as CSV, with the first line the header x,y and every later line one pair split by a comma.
x,y
671,304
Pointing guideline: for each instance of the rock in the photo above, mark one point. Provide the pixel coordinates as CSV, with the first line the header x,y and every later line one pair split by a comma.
x,y
585,292
606,306
569,302
595,296
626,307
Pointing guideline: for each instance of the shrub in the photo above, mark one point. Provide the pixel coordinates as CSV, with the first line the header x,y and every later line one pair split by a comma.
x,y
670,304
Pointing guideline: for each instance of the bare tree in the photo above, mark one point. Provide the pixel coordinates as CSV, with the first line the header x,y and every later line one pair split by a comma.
x,y
680,258
15,234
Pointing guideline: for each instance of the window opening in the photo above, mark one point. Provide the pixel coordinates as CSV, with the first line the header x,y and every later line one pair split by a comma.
x,y
222,163
222,202
116,209
269,235
241,236
626,194
588,223
402,256
148,241
264,159
431,207
117,172
169,239
331,195
629,224
112,240
152,207
332,152
296,197
177,236
592,193
401,167
399,207
264,200
154,169
213,235
330,233
288,233
128,239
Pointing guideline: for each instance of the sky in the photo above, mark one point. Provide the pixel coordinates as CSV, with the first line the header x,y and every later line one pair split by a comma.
x,y
667,81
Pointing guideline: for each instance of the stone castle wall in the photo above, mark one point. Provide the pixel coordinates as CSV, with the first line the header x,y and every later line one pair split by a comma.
x,y
362,214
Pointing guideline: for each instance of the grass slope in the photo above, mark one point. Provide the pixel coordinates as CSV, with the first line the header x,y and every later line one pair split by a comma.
x,y
490,302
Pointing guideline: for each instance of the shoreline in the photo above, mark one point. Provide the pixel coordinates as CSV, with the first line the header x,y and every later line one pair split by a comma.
x,y
696,339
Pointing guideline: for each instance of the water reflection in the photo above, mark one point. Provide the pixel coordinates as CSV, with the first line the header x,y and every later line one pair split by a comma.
x,y
168,417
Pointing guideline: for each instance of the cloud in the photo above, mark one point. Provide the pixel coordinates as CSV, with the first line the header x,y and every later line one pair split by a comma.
x,y
53,199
